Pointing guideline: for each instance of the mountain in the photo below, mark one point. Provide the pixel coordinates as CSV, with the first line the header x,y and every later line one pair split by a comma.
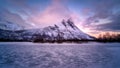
x,y
66,31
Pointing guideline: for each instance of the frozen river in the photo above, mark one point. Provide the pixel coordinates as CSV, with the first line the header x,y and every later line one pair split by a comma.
x,y
72,55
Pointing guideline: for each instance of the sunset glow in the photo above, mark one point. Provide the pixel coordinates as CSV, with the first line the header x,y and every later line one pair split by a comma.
x,y
85,14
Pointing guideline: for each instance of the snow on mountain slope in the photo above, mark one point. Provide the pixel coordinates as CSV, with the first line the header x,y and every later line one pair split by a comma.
x,y
67,30
74,31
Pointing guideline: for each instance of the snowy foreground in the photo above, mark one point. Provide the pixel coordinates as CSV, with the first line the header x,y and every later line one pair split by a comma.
x,y
72,55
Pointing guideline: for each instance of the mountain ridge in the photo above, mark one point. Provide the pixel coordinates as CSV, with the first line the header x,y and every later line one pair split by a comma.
x,y
68,31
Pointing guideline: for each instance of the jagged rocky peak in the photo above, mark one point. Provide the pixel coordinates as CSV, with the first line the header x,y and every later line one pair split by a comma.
x,y
69,24
65,24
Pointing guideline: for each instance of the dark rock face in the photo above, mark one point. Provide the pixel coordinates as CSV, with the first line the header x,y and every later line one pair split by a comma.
x,y
67,31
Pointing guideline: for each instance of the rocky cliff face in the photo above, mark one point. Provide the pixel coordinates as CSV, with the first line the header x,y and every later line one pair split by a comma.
x,y
67,31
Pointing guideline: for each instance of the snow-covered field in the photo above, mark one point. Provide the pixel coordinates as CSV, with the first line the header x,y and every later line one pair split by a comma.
x,y
65,55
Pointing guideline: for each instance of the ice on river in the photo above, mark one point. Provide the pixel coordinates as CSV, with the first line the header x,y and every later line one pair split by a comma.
x,y
66,55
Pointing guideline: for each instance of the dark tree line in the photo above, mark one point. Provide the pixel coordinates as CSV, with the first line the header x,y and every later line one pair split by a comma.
x,y
108,37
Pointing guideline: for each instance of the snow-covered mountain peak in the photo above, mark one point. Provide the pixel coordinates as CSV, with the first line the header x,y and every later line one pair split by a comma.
x,y
69,24
67,31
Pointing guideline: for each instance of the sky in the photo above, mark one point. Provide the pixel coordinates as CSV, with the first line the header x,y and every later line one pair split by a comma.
x,y
91,16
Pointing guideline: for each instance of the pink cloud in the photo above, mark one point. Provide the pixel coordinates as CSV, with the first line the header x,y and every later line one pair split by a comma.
x,y
53,14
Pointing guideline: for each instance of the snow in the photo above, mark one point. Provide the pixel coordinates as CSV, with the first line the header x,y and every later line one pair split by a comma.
x,y
66,55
